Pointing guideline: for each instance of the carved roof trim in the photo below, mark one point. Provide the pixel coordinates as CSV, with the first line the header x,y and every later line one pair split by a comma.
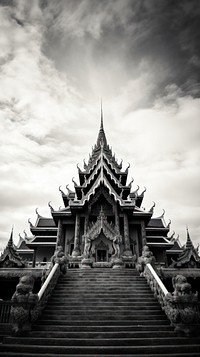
x,y
96,184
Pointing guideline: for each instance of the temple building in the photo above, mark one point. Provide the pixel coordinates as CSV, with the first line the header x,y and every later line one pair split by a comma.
x,y
102,276
101,219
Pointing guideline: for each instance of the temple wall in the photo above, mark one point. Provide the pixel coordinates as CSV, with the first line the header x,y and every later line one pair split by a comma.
x,y
159,254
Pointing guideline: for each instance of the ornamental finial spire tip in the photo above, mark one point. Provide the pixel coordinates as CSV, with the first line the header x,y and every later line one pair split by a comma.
x,y
101,126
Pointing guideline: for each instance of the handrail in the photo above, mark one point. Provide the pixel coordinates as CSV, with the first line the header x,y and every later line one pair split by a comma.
x,y
158,280
5,307
46,290
181,306
155,284
47,281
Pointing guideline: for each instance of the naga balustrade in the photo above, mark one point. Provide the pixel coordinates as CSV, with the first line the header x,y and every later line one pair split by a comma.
x,y
5,307
181,307
46,291
27,306
156,285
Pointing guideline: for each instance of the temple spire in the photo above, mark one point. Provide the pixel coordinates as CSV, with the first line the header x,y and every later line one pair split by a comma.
x,y
101,126
10,242
189,243
101,140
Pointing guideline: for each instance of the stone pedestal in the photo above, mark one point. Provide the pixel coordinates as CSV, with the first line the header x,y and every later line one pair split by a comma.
x,y
86,263
117,263
76,252
127,253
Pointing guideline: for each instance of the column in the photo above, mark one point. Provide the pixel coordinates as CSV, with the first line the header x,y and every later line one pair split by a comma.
x,y
34,257
143,234
76,252
60,235
86,223
117,219
127,250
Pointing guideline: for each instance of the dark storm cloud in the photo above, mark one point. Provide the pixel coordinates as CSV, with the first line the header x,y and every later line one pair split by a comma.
x,y
120,35
58,58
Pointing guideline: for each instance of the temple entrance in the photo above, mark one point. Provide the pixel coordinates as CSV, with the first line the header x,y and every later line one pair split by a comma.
x,y
101,255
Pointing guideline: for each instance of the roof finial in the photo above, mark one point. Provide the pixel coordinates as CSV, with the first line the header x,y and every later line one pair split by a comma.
x,y
10,242
189,243
101,140
101,126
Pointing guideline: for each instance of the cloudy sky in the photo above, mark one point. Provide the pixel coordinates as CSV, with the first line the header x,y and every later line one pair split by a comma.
x,y
57,59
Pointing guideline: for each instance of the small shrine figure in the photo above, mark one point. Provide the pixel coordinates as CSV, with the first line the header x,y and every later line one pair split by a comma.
x,y
60,258
146,257
181,307
23,301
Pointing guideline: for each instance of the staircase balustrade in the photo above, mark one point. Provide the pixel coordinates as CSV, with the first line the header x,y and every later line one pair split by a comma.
x,y
5,307
27,306
181,307
46,290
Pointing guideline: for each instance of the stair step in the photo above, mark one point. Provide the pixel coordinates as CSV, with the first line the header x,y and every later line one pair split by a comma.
x,y
21,354
105,308
88,327
102,317
103,311
95,322
86,342
102,334
107,298
107,304
120,349
98,286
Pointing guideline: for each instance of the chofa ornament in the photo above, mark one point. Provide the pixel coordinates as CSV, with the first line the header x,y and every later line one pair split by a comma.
x,y
182,307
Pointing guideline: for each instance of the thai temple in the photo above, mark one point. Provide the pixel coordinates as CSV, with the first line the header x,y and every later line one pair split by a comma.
x,y
101,207
101,276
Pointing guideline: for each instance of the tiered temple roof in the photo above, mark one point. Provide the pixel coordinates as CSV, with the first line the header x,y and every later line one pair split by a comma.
x,y
103,176
10,257
189,257
44,232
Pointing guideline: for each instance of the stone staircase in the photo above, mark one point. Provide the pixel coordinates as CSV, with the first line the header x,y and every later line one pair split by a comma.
x,y
101,312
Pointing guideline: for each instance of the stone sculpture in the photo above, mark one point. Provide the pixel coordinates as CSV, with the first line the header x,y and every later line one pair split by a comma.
x,y
23,302
182,307
60,258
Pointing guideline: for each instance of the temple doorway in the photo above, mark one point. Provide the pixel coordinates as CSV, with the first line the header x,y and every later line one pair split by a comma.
x,y
101,255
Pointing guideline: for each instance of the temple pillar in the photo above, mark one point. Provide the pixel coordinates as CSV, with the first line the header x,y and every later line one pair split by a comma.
x,y
60,235
143,234
76,252
127,250
34,257
86,223
117,219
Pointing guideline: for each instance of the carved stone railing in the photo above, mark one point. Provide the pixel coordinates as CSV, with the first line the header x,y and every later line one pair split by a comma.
x,y
181,307
156,285
46,291
27,306
5,307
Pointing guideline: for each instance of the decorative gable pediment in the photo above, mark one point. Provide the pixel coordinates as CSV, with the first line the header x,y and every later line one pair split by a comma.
x,y
102,225
96,202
